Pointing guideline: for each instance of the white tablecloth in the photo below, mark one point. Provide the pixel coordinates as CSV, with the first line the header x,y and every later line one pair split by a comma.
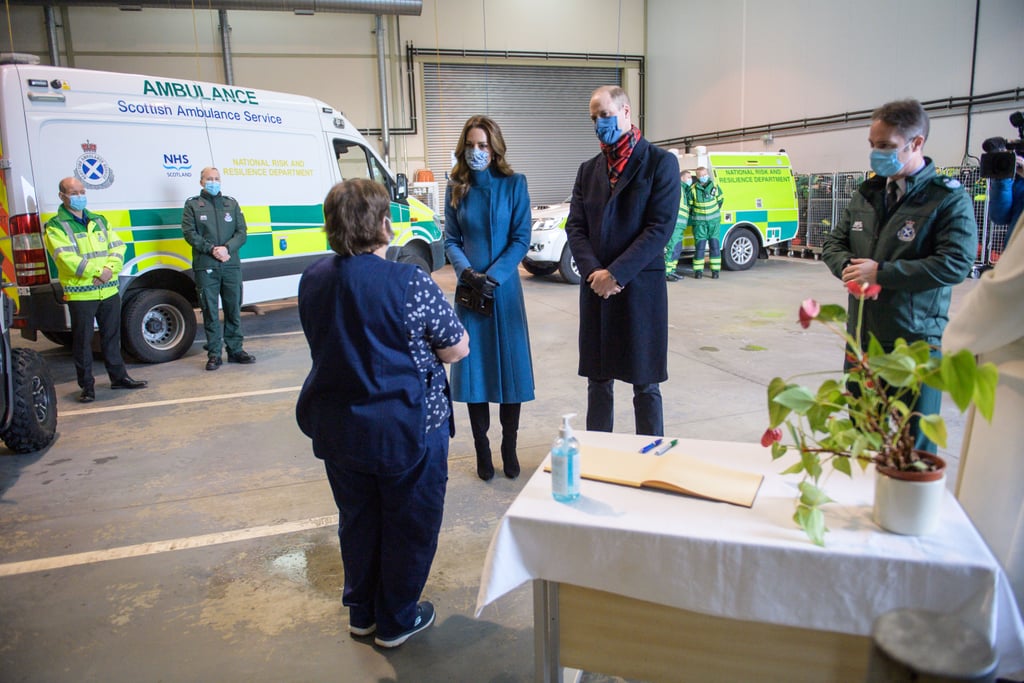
x,y
751,564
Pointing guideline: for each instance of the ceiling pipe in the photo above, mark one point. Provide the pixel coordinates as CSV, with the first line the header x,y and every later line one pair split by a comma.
x,y
51,35
225,45
382,85
407,7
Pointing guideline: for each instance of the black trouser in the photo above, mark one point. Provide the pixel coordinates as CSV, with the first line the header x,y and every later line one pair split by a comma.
x,y
647,408
107,314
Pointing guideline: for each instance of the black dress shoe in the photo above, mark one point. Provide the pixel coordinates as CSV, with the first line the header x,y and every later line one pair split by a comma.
x,y
213,363
241,357
128,383
88,395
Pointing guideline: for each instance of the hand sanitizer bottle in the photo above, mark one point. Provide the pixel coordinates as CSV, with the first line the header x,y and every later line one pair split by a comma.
x,y
565,464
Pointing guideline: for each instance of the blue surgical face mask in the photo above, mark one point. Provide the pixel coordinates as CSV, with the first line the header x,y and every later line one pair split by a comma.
x,y
688,181
213,187
477,159
704,179
77,202
886,162
607,129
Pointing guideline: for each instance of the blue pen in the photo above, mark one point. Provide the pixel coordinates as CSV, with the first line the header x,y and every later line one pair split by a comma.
x,y
665,449
651,445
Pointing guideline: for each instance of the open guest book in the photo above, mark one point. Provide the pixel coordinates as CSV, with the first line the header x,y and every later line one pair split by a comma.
x,y
673,471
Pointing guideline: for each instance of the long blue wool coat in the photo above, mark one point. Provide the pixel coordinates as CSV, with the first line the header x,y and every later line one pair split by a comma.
x,y
490,232
625,230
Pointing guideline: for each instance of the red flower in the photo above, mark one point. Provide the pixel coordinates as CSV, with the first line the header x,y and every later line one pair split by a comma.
x,y
809,310
770,436
863,290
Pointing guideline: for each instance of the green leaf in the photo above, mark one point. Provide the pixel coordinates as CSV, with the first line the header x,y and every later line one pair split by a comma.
x,y
842,464
812,463
934,427
875,347
895,369
795,468
778,450
985,390
817,417
958,373
776,411
796,398
832,313
812,521
812,496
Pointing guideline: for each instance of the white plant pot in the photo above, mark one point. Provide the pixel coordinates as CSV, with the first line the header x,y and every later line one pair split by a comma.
x,y
910,508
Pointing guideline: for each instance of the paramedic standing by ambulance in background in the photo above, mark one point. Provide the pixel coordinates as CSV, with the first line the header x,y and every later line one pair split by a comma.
x,y
215,227
89,255
705,214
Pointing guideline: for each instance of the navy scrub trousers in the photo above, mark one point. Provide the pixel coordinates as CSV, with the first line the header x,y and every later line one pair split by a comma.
x,y
388,528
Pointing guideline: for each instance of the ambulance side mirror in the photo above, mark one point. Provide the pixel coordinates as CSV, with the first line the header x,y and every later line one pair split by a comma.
x,y
401,188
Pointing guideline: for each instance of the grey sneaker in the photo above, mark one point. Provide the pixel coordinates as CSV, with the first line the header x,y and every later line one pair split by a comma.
x,y
424,618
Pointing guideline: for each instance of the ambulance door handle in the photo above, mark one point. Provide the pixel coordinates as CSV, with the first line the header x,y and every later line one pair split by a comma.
x,y
46,96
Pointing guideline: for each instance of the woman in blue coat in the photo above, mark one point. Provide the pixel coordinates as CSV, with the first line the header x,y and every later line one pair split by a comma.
x,y
487,234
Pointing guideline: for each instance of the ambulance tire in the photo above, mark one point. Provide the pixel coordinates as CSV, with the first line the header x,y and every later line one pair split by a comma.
x,y
567,267
157,326
33,403
740,249
539,269
414,259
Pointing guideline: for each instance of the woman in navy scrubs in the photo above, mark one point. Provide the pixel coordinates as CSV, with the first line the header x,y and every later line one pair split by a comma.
x,y
376,405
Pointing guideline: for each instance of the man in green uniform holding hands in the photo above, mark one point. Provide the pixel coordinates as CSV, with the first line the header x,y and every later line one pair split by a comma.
x,y
706,201
910,230
215,227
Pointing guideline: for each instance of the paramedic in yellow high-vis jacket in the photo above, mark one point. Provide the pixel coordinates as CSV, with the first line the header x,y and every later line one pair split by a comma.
x,y
89,256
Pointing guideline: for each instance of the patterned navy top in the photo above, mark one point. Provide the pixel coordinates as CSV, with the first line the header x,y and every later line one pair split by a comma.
x,y
432,324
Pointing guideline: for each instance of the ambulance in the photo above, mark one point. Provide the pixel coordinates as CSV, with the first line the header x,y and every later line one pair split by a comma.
x,y
138,144
760,210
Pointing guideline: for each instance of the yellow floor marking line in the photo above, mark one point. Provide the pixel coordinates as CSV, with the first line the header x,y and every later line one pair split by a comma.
x,y
141,549
178,401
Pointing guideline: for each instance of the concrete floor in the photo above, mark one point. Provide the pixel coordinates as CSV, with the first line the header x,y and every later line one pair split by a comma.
x,y
202,510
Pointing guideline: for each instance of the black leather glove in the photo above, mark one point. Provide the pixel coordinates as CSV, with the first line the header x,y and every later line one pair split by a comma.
x,y
479,282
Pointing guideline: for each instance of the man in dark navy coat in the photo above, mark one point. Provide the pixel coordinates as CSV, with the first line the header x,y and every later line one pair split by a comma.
x,y
622,213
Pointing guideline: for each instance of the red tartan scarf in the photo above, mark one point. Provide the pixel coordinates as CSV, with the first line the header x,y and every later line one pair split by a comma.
x,y
618,154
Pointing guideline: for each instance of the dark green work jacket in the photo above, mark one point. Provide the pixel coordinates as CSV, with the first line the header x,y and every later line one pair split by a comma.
x,y
208,222
924,245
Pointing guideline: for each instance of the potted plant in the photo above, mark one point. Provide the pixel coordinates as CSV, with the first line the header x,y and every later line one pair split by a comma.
x,y
863,417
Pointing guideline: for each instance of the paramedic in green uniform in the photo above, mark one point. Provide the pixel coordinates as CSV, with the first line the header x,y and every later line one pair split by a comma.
x,y
215,227
682,219
913,232
705,213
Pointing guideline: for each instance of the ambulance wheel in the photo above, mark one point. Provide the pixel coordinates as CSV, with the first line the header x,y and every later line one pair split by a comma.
x,y
539,269
740,249
158,325
33,404
567,267
416,260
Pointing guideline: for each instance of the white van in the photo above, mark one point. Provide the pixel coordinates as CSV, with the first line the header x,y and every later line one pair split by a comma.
x,y
138,144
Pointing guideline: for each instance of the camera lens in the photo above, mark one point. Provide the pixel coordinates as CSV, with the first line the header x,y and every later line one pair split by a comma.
x,y
994,145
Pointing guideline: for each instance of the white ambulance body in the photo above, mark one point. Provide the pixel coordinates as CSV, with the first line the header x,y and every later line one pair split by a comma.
x,y
138,144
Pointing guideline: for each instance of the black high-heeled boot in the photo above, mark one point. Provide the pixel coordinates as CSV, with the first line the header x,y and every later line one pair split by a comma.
x,y
508,413
480,422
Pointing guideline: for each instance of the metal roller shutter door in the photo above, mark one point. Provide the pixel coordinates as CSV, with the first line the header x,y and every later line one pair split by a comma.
x,y
542,111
